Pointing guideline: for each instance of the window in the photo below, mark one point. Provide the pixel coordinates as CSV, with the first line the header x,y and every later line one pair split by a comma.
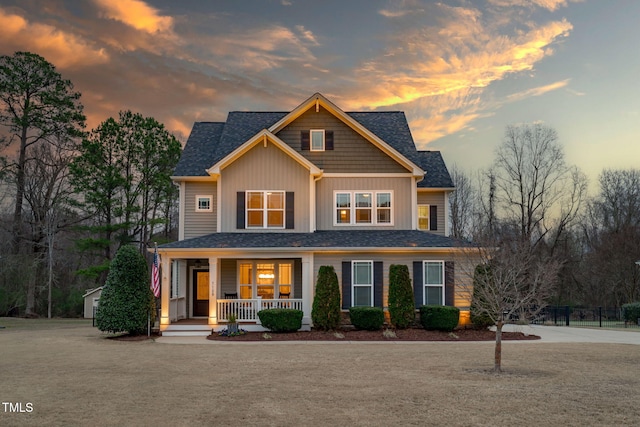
x,y
317,139
265,209
204,203
362,283
265,279
423,217
433,280
359,207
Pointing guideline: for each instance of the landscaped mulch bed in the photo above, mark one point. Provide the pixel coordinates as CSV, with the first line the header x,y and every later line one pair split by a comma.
x,y
412,334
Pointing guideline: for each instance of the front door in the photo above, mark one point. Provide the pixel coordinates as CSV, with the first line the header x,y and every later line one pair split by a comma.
x,y
200,293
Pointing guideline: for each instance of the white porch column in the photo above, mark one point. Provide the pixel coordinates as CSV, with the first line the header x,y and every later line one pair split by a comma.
x,y
165,291
213,291
307,288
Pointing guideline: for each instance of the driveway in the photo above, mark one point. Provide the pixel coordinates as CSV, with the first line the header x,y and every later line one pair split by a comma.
x,y
564,334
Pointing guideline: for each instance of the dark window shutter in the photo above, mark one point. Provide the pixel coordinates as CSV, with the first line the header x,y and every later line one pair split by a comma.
x,y
289,211
418,283
328,140
433,217
378,275
305,140
240,210
449,283
346,284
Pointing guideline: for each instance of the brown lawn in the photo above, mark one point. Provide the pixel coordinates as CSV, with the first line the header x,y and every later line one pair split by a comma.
x,y
72,375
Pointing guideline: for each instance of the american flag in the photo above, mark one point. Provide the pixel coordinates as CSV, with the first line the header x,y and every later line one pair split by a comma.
x,y
155,274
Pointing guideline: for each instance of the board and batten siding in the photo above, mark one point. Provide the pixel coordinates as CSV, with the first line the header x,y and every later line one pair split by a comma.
x,y
261,169
352,152
401,200
462,291
435,199
199,223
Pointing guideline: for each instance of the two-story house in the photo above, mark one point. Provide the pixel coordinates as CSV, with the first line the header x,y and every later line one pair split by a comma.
x,y
266,198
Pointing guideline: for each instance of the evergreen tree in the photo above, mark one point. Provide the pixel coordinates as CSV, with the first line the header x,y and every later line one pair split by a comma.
x,y
401,302
326,314
126,300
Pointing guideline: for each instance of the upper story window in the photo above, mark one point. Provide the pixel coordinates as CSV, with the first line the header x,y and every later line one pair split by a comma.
x,y
317,139
204,203
363,207
423,217
428,217
265,209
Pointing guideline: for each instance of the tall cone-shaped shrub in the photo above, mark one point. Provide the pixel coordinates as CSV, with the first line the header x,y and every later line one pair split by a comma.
x,y
401,304
326,314
126,299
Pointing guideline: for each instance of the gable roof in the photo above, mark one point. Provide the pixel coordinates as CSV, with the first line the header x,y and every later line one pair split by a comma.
x,y
210,142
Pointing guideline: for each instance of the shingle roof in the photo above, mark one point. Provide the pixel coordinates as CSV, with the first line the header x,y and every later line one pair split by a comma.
x,y
209,142
333,239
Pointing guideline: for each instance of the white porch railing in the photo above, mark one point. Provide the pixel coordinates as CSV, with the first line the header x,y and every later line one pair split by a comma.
x,y
246,309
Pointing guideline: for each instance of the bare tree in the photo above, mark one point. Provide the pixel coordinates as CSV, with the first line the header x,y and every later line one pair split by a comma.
x,y
509,281
537,191
461,204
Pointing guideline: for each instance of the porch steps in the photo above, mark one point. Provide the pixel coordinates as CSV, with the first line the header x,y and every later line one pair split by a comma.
x,y
187,331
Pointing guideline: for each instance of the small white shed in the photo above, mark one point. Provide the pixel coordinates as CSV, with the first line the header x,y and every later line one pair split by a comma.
x,y
91,298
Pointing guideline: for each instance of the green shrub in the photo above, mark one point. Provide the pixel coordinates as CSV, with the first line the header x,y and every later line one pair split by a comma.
x,y
439,317
478,319
126,298
368,318
326,314
402,312
281,319
631,312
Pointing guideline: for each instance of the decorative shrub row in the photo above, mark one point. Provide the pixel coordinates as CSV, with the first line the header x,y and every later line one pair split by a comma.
x,y
631,312
281,319
368,318
439,317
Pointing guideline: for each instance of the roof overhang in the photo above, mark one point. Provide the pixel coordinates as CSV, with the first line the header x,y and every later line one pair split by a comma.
x,y
318,100
207,178
263,137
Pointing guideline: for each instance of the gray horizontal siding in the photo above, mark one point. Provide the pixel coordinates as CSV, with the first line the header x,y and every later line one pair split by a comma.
x,y
401,188
199,223
463,286
352,153
437,199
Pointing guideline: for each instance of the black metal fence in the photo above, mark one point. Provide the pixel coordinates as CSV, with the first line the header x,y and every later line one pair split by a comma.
x,y
593,317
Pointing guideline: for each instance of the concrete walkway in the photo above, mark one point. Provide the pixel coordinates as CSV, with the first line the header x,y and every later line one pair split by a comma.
x,y
564,334
547,334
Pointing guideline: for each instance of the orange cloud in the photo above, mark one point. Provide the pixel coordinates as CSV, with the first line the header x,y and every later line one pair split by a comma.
x,y
546,4
136,14
537,91
61,48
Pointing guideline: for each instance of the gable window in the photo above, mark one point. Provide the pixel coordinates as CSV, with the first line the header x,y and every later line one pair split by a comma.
x,y
204,203
359,207
433,280
265,209
317,139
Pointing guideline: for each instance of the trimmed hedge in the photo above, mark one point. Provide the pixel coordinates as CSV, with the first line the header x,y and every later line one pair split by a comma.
x,y
126,300
402,311
631,312
281,319
368,318
326,314
439,317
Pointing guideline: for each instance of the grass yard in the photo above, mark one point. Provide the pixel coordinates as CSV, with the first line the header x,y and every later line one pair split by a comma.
x,y
73,375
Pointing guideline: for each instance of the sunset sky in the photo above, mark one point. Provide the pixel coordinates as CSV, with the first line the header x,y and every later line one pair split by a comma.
x,y
462,70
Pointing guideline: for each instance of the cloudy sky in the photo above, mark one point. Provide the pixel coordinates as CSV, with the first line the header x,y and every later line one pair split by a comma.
x,y
462,70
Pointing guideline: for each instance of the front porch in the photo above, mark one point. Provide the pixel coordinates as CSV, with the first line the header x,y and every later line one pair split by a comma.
x,y
211,290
